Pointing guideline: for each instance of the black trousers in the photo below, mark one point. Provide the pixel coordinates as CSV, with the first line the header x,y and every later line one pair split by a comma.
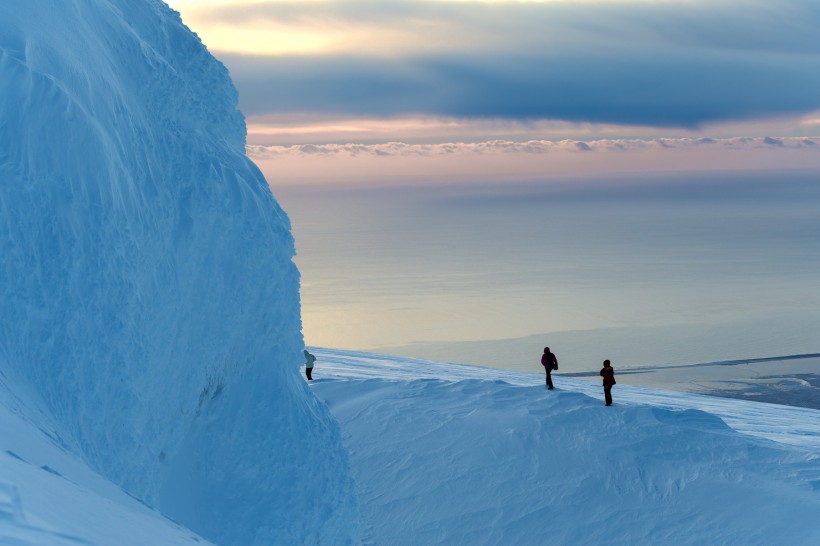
x,y
549,379
308,372
608,395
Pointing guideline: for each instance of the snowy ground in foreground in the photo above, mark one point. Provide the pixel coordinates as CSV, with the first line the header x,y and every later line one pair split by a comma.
x,y
457,454
48,496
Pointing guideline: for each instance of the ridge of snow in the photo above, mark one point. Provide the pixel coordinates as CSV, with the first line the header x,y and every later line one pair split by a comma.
x,y
459,454
790,425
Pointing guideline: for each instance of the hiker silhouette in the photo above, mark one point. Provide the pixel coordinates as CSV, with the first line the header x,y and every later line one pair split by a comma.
x,y
608,373
550,362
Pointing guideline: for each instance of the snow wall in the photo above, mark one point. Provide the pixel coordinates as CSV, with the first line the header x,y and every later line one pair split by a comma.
x,y
147,287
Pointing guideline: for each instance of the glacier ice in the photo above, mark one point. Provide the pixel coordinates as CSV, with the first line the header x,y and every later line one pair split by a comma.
x,y
148,293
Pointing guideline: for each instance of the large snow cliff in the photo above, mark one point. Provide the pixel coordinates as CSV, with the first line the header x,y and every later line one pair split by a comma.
x,y
148,294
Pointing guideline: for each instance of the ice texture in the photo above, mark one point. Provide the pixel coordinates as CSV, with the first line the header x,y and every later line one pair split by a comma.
x,y
148,294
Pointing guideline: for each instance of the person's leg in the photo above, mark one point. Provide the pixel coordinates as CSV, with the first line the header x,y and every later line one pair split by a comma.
x,y
549,379
608,395
309,373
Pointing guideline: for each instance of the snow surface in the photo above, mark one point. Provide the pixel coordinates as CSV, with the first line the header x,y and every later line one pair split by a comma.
x,y
459,454
49,496
150,305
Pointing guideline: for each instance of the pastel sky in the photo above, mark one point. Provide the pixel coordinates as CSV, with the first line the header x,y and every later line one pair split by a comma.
x,y
478,116
361,89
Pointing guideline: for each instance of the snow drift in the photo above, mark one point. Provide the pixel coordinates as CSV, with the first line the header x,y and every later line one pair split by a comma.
x,y
147,289
458,454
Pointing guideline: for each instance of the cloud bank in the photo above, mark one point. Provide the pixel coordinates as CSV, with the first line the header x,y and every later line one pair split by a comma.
x,y
398,163
668,64
535,147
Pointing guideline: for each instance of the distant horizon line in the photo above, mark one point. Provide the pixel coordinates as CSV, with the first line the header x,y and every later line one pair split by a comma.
x,y
645,369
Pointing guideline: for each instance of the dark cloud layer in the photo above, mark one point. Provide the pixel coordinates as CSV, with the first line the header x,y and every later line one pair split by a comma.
x,y
638,64
641,90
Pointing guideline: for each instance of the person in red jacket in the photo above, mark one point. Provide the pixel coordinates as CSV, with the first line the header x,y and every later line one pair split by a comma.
x,y
550,362
609,379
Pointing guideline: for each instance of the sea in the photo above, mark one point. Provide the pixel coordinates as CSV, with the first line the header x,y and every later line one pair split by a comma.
x,y
647,270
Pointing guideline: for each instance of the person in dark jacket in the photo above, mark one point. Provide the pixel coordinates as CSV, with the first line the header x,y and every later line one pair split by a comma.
x,y
609,379
550,362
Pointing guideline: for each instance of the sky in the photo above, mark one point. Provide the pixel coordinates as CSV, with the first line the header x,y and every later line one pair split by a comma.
x,y
398,94
350,89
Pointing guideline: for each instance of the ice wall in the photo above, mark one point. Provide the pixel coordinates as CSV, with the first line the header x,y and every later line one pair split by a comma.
x,y
146,283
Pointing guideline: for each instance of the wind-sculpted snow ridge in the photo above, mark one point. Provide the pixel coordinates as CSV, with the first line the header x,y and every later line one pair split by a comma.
x,y
148,291
464,455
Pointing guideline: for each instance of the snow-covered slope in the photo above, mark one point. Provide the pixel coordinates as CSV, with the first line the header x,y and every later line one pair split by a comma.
x,y
148,296
456,454
48,496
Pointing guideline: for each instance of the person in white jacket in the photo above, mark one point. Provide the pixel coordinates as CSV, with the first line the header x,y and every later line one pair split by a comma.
x,y
309,360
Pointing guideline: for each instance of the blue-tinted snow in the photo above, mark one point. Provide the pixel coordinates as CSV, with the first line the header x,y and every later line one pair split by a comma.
x,y
458,454
149,300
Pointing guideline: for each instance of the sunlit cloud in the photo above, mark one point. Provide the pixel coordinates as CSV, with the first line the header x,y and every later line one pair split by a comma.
x,y
410,26
272,130
286,130
812,120
673,64
315,28
343,128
